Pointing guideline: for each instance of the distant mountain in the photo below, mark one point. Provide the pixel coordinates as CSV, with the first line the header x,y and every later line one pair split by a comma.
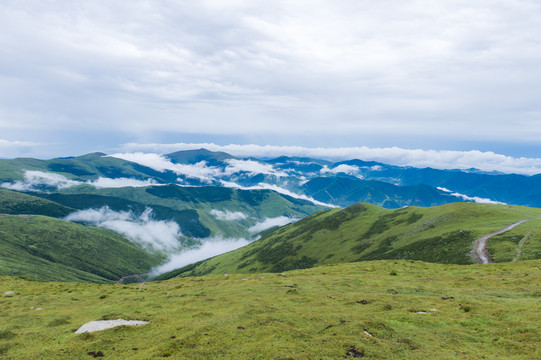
x,y
199,211
336,184
350,190
442,234
196,156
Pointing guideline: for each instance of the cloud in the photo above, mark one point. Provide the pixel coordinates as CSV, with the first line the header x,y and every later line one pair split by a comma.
x,y
228,215
438,159
278,189
160,163
43,181
343,168
39,181
10,149
322,70
102,182
152,235
210,247
252,167
271,222
470,198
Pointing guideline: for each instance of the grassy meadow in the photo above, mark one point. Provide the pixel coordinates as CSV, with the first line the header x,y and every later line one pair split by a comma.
x,y
375,310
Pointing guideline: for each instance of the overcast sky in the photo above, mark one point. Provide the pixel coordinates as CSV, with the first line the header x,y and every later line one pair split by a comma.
x,y
79,76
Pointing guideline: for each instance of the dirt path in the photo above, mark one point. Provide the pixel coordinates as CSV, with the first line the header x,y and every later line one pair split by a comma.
x,y
480,253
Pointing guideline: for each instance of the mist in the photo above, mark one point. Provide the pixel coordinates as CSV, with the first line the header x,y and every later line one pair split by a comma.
x,y
152,235
210,247
271,222
476,199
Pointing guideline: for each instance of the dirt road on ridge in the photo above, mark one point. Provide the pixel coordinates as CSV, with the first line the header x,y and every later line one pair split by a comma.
x,y
480,253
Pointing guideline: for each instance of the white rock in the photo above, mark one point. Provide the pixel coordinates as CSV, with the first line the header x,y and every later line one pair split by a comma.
x,y
107,324
9,293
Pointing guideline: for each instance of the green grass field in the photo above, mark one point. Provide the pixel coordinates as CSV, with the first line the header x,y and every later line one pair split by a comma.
x,y
374,310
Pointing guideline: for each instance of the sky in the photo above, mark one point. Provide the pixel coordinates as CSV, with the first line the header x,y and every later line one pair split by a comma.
x,y
438,77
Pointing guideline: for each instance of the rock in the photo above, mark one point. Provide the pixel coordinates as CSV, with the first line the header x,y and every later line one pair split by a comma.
x,y
9,293
107,324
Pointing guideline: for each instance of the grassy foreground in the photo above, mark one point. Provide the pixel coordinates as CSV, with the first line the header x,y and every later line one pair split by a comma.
x,y
376,310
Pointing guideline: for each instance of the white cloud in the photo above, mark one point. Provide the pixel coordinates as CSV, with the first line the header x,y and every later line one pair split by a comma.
x,y
210,247
252,167
278,189
36,180
39,180
470,198
160,163
151,234
102,182
9,149
438,159
342,168
317,68
228,215
271,222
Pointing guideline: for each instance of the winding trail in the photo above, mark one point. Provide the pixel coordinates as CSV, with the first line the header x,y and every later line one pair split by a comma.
x,y
480,253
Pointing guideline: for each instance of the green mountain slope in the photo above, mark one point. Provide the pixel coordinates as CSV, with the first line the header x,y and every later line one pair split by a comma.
x,y
86,167
44,248
16,203
256,205
371,310
442,234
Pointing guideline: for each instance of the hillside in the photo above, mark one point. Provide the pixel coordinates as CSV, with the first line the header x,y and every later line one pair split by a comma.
x,y
85,167
44,248
374,310
443,234
15,203
192,207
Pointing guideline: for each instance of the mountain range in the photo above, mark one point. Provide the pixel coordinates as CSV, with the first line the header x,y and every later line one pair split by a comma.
x,y
166,207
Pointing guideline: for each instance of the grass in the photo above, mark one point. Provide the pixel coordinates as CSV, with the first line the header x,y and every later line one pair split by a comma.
x,y
44,248
15,203
380,309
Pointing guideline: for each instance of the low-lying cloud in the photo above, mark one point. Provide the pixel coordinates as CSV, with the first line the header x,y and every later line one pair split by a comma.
x,y
152,235
278,189
121,182
342,168
252,167
210,247
38,180
471,198
161,163
270,223
437,159
228,215
42,181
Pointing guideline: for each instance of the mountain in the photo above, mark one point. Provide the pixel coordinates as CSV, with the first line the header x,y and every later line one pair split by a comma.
x,y
442,234
199,211
196,156
319,181
86,167
44,248
350,190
